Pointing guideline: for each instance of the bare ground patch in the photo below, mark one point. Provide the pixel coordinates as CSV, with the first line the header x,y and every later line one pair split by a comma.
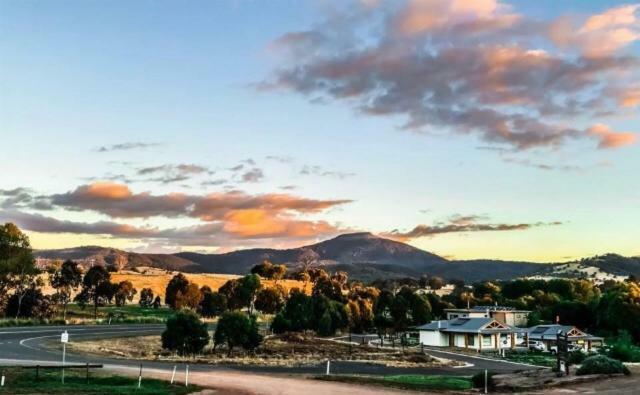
x,y
278,350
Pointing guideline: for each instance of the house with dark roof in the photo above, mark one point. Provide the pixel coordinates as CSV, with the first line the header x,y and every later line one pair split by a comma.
x,y
477,333
548,335
506,315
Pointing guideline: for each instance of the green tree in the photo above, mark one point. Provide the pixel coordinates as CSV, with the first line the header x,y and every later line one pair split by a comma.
x,y
237,329
146,298
65,280
33,304
17,268
297,314
185,333
189,298
96,288
270,300
213,304
124,292
241,293
178,283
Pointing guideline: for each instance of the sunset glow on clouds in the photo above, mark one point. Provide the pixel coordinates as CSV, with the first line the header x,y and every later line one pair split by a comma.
x,y
469,128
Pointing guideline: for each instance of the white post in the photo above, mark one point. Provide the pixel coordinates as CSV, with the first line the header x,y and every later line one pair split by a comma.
x,y
186,377
2,380
140,377
485,380
64,339
64,358
328,366
173,375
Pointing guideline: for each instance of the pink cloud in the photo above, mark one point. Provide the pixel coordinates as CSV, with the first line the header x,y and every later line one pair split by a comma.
x,y
611,139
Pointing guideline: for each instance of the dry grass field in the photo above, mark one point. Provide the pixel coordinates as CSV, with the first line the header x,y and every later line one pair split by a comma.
x,y
157,280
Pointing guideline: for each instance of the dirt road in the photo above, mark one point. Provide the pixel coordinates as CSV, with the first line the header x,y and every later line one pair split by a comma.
x,y
239,383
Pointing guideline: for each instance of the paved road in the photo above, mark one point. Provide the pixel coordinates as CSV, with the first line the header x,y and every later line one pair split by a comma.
x,y
40,345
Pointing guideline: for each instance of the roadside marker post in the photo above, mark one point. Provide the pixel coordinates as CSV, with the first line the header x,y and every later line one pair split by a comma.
x,y
186,377
2,379
173,375
328,367
485,380
64,339
140,377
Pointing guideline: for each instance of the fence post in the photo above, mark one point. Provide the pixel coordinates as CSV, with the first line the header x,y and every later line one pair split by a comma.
x,y
173,375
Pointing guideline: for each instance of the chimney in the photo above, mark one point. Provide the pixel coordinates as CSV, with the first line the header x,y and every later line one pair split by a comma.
x,y
488,313
438,324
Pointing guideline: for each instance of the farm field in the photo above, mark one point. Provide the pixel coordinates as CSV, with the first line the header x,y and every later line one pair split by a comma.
x,y
157,281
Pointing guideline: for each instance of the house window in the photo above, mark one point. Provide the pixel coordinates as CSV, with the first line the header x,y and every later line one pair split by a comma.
x,y
471,340
486,340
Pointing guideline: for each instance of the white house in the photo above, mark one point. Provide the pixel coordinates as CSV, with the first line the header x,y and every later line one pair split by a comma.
x,y
478,333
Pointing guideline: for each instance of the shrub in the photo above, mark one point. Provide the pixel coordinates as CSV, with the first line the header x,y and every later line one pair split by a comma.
x,y
478,380
237,329
576,357
623,349
600,364
280,324
185,333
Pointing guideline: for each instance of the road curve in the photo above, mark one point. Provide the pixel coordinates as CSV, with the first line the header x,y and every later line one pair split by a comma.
x,y
41,345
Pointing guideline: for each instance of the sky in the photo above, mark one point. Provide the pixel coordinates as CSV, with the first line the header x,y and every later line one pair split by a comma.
x,y
484,129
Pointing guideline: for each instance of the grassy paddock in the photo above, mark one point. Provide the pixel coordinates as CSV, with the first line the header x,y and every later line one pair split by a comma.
x,y
130,314
408,381
20,381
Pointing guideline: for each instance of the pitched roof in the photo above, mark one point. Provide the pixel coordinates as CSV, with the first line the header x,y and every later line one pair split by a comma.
x,y
550,331
470,324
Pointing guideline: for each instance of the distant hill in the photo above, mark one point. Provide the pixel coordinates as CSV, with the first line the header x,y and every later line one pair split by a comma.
x,y
89,255
363,255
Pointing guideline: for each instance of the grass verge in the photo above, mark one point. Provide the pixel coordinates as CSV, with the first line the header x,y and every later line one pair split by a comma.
x,y
538,359
407,381
20,381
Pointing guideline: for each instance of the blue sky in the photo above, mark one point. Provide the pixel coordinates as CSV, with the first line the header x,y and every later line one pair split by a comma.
x,y
76,76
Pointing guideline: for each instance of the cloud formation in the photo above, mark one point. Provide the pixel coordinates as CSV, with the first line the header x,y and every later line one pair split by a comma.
x,y
170,173
320,171
223,218
463,224
126,146
469,67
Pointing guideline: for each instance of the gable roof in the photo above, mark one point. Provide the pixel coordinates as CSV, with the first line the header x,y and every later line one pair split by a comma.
x,y
467,324
550,331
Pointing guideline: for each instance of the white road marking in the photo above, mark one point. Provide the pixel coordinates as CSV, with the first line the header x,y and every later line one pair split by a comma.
x,y
485,358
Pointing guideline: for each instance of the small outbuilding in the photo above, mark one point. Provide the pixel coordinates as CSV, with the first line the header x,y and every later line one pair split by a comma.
x,y
548,335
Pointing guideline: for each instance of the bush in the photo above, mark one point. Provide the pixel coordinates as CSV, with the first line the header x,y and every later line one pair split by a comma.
x,y
237,329
185,333
576,357
601,364
623,349
478,380
280,324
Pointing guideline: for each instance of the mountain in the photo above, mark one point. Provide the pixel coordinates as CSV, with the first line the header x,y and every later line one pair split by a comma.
x,y
363,255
